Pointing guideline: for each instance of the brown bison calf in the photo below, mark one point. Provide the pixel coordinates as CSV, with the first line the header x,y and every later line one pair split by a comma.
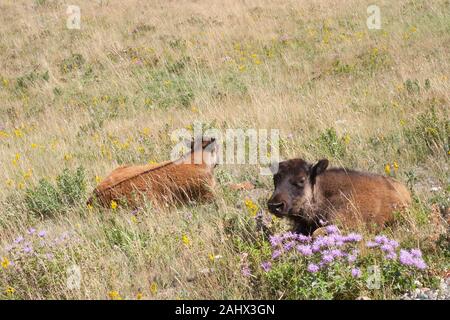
x,y
189,178
307,194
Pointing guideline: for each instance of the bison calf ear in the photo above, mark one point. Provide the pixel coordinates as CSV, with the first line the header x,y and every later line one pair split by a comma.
x,y
274,167
318,169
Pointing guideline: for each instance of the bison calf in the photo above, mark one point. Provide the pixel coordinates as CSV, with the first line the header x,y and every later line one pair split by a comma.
x,y
190,178
307,194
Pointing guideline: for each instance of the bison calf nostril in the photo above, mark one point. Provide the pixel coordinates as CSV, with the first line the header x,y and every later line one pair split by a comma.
x,y
276,207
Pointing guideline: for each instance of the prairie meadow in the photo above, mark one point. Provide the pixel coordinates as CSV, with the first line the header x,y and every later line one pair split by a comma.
x,y
75,103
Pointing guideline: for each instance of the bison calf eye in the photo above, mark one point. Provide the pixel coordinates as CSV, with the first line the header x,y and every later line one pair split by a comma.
x,y
299,183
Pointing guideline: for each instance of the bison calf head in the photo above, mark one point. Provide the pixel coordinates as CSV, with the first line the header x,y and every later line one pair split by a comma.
x,y
294,186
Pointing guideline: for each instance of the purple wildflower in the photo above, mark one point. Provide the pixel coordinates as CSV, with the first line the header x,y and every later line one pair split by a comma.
x,y
305,250
353,256
332,229
289,245
315,248
19,239
276,254
387,248
406,258
275,240
327,258
42,233
391,255
356,273
330,240
371,244
416,253
381,239
393,243
289,235
313,268
31,231
27,249
246,271
336,253
353,237
266,266
303,238
413,258
420,264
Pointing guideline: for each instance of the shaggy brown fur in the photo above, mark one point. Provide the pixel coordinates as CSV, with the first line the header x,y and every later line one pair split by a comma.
x,y
307,194
171,182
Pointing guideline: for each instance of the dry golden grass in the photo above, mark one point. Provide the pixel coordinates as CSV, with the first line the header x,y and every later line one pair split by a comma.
x,y
148,68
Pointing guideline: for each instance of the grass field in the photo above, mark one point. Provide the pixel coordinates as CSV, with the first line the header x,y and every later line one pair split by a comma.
x,y
75,104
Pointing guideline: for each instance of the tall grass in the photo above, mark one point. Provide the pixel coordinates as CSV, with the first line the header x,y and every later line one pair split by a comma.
x,y
112,92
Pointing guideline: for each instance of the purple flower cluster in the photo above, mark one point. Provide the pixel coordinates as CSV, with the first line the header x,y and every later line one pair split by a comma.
x,y
412,258
336,247
324,250
266,266
388,246
245,267
34,243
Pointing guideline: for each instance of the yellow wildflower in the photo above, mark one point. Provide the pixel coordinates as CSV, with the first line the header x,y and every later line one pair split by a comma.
x,y
139,296
347,138
27,174
387,169
89,206
98,179
185,239
211,257
154,288
114,295
395,165
5,263
4,134
145,131
16,159
5,82
252,207
18,133
141,149
241,68
67,157
194,109
113,205
9,291
34,146
134,219
152,162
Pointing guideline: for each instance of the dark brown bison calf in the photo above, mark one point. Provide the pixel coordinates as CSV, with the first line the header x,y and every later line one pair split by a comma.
x,y
307,194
